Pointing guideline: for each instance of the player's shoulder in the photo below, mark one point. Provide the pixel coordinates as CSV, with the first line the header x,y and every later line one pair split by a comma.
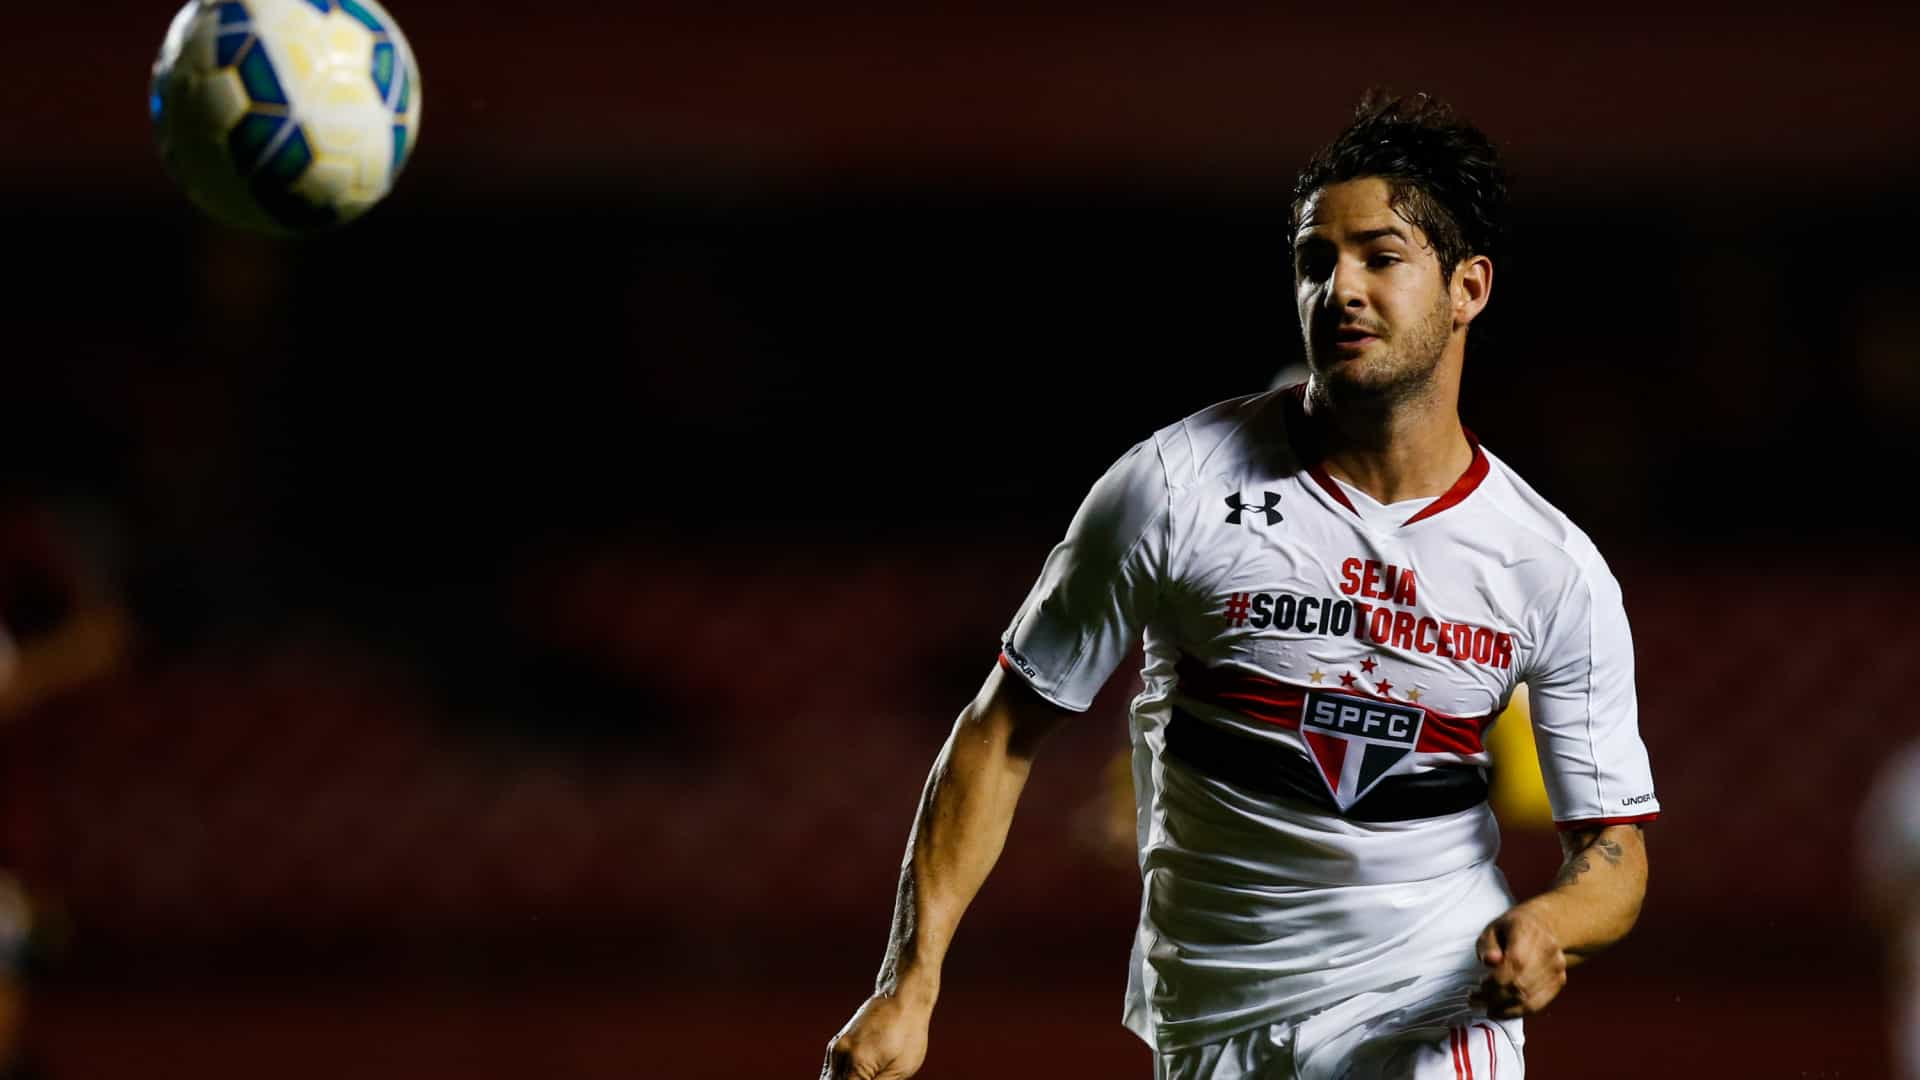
x,y
1535,522
1222,436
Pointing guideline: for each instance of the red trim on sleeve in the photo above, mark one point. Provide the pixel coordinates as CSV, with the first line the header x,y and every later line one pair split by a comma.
x,y
1006,664
1604,822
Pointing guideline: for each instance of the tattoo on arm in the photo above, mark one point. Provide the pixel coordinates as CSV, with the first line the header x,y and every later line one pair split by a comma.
x,y
1572,869
905,924
1578,845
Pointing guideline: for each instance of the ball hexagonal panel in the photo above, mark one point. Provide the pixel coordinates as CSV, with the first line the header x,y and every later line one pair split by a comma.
x,y
287,113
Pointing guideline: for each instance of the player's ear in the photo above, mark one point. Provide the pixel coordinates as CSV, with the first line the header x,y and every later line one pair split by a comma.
x,y
1471,286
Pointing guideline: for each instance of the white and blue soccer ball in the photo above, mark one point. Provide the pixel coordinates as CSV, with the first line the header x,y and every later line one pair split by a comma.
x,y
285,116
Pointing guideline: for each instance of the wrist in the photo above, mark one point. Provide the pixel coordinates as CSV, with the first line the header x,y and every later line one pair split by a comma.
x,y
914,987
1543,912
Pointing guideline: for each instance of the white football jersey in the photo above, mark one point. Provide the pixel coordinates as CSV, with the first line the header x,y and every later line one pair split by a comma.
x,y
1320,672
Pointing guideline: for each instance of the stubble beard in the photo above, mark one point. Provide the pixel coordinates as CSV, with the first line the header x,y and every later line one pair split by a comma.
x,y
1401,372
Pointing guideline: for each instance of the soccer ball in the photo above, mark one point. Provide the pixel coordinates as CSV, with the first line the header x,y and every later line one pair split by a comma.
x,y
285,116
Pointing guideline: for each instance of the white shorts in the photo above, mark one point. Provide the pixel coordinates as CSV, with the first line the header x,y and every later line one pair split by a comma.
x,y
1422,1031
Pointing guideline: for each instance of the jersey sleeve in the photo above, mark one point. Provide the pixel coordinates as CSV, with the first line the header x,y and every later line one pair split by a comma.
x,y
1099,585
1586,716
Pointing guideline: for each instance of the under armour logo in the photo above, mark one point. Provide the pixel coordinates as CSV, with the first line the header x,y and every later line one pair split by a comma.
x,y
1272,498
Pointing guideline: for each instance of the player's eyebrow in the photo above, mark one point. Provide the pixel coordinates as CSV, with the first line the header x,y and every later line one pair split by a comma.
x,y
1368,235
1363,236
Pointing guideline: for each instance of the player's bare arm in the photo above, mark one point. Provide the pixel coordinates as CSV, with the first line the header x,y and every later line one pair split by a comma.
x,y
965,811
1593,903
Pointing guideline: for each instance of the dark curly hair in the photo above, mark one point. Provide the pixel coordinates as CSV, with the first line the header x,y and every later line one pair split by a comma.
x,y
1443,173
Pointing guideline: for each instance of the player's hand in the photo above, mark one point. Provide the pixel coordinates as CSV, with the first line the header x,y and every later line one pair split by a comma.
x,y
885,1040
1526,967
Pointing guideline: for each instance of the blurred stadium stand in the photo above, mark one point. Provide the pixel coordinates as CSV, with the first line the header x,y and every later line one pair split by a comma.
x,y
306,791
304,808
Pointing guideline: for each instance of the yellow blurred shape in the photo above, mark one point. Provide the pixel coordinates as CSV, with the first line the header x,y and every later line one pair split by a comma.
x,y
1519,795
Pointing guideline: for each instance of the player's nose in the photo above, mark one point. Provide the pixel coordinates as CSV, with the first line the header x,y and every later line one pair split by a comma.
x,y
1346,289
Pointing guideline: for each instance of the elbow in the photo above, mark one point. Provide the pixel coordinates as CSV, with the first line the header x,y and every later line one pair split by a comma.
x,y
1011,716
1630,910
1638,899
1632,894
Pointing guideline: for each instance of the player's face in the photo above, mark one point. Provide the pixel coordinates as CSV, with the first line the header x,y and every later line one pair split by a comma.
x,y
1376,310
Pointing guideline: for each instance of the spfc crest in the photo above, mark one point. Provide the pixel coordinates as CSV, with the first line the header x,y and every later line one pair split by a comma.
x,y
1355,742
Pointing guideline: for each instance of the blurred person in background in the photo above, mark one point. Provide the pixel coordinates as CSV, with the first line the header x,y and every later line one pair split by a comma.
x,y
1338,588
60,628
61,625
1890,856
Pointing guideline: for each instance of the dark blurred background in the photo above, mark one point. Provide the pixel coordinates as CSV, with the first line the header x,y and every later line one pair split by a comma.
x,y
507,637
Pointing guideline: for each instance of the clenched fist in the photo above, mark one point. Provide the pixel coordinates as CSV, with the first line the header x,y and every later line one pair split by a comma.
x,y
885,1040
1526,967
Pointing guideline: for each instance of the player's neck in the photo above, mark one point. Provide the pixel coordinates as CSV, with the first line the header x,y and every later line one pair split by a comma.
x,y
1412,449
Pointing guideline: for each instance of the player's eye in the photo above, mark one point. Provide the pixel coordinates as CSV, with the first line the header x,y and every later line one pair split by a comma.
x,y
1312,264
1382,259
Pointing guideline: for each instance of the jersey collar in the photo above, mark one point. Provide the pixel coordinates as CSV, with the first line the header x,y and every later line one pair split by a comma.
x,y
1304,435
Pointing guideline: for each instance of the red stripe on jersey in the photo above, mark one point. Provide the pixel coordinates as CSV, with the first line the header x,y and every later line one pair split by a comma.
x,y
1270,701
1305,436
1453,1043
1321,476
1604,822
1476,471
1443,734
1329,755
1493,1062
1256,697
